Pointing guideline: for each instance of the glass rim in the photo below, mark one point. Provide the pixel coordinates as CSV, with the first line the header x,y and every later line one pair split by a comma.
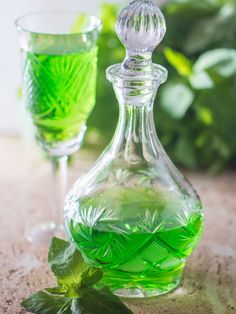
x,y
97,26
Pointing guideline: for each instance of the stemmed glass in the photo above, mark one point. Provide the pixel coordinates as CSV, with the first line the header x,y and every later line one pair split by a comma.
x,y
59,58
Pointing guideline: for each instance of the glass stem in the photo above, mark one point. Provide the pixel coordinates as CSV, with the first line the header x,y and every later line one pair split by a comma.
x,y
59,187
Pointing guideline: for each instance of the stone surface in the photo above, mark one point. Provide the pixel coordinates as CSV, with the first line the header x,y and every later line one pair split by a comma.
x,y
209,284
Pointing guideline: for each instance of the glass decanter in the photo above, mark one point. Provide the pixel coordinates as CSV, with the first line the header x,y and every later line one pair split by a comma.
x,y
133,213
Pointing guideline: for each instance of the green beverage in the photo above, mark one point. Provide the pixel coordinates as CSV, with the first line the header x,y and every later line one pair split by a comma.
x,y
60,92
146,253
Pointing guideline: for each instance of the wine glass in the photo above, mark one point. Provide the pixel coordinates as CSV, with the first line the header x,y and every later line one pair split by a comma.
x,y
59,65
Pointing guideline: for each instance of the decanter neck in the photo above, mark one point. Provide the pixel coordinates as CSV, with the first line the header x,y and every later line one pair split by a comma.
x,y
135,139
140,27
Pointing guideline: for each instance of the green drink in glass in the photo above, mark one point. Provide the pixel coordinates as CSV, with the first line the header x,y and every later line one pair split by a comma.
x,y
61,93
59,52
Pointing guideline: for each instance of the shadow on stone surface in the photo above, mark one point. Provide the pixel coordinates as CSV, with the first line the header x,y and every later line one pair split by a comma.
x,y
204,289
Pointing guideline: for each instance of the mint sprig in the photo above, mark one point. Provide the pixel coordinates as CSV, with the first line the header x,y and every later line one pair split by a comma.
x,y
74,293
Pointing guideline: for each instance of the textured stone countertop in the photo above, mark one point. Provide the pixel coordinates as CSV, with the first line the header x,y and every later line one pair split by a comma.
x,y
209,284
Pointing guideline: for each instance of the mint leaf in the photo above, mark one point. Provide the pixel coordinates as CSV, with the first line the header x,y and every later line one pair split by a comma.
x,y
68,266
102,301
91,275
75,294
56,291
43,302
65,261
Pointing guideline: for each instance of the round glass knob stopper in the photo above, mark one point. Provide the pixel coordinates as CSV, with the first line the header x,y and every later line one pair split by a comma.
x,y
141,26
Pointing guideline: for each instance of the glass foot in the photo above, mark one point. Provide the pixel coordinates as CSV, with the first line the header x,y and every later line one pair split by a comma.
x,y
42,234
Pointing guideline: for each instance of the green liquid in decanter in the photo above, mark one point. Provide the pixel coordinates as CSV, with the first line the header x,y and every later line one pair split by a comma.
x,y
147,253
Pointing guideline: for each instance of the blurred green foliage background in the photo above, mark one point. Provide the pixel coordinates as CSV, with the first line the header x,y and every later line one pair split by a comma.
x,y
195,111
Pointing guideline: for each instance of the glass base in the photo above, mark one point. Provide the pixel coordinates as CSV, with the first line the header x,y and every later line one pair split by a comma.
x,y
143,285
60,149
42,234
143,293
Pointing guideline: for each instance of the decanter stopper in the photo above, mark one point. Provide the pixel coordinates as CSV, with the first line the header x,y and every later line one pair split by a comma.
x,y
140,27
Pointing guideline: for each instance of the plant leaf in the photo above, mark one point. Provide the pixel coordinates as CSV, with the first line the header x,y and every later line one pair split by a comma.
x,y
184,152
103,301
43,302
109,17
204,114
181,63
201,80
79,24
55,291
74,294
176,98
91,275
220,61
65,261
210,30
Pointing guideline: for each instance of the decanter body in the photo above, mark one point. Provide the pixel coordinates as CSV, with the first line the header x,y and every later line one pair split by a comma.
x,y
133,213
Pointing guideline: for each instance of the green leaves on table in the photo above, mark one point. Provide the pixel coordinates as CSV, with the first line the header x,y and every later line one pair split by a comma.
x,y
102,301
65,262
75,293
44,302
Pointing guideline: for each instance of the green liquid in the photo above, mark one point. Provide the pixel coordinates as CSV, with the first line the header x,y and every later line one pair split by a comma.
x,y
60,92
147,252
